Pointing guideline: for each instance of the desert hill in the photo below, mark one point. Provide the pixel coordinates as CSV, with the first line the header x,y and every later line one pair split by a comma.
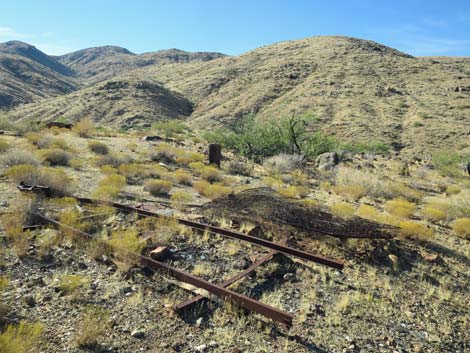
x,y
358,89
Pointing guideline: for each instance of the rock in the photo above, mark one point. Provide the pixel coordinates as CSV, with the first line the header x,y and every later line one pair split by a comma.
x,y
290,277
30,301
199,322
327,161
6,204
138,333
160,253
201,348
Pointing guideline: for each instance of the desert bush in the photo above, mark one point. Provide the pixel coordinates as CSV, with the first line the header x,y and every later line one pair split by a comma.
x,y
98,147
342,210
400,208
114,160
133,171
107,169
180,198
55,157
4,146
110,186
284,163
211,191
293,191
157,187
196,166
414,230
13,227
57,180
184,158
237,167
273,182
161,229
169,128
17,157
453,189
91,327
354,184
461,226
211,174
433,214
447,162
163,153
183,177
454,206
371,213
84,128
21,338
71,284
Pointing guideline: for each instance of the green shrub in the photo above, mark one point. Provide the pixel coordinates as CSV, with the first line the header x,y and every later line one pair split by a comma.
x,y
98,147
447,162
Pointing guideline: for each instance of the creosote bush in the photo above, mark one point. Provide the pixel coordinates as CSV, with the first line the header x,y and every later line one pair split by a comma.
x,y
157,187
110,186
98,147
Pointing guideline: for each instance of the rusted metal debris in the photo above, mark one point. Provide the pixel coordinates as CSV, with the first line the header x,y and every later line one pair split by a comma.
x,y
190,302
248,303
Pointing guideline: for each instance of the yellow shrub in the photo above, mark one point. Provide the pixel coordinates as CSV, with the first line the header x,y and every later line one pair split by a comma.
x,y
453,189
350,192
414,230
157,187
180,198
98,147
272,182
400,208
211,191
84,128
293,192
91,327
133,171
311,203
342,210
196,166
110,186
125,244
107,169
183,177
210,174
21,338
369,212
461,226
4,146
185,158
433,214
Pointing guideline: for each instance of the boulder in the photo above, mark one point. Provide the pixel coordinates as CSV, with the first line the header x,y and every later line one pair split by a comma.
x,y
327,161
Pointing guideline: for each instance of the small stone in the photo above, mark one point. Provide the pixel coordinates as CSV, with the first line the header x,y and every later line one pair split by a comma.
x,y
201,348
290,277
199,322
138,333
30,301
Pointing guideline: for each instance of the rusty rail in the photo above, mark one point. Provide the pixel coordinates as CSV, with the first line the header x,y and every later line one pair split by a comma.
x,y
227,233
191,301
282,317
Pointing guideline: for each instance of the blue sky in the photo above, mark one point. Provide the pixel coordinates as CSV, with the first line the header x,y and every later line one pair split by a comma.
x,y
233,27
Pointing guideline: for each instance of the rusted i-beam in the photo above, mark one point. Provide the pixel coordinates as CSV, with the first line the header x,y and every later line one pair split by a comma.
x,y
248,303
225,232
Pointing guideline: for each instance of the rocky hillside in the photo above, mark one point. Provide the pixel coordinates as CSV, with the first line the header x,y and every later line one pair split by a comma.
x,y
131,102
358,89
99,63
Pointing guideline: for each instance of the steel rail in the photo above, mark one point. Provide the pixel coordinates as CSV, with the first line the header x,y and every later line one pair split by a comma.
x,y
225,232
248,303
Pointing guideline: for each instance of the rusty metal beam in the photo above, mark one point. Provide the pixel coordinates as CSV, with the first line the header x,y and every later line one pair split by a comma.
x,y
248,303
228,233
191,301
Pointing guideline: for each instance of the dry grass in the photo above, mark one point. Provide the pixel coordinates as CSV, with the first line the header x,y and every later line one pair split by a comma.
x,y
182,177
125,244
454,206
295,192
72,284
55,157
211,191
114,160
21,338
461,226
180,198
17,157
157,187
4,146
433,214
400,208
414,230
211,174
91,327
109,187
284,163
343,210
453,189
163,153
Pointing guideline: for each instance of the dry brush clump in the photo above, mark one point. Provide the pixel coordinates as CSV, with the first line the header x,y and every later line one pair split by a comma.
x,y
84,128
163,153
461,226
342,210
415,230
126,245
211,191
158,187
110,186
16,157
4,146
72,284
57,180
292,191
449,207
284,163
114,160
92,326
183,177
20,338
55,157
98,147
400,208
180,199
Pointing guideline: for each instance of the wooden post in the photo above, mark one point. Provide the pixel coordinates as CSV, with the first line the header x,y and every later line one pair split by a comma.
x,y
215,154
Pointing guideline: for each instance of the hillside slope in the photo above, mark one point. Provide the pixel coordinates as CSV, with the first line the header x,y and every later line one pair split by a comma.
x,y
96,64
126,103
358,89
